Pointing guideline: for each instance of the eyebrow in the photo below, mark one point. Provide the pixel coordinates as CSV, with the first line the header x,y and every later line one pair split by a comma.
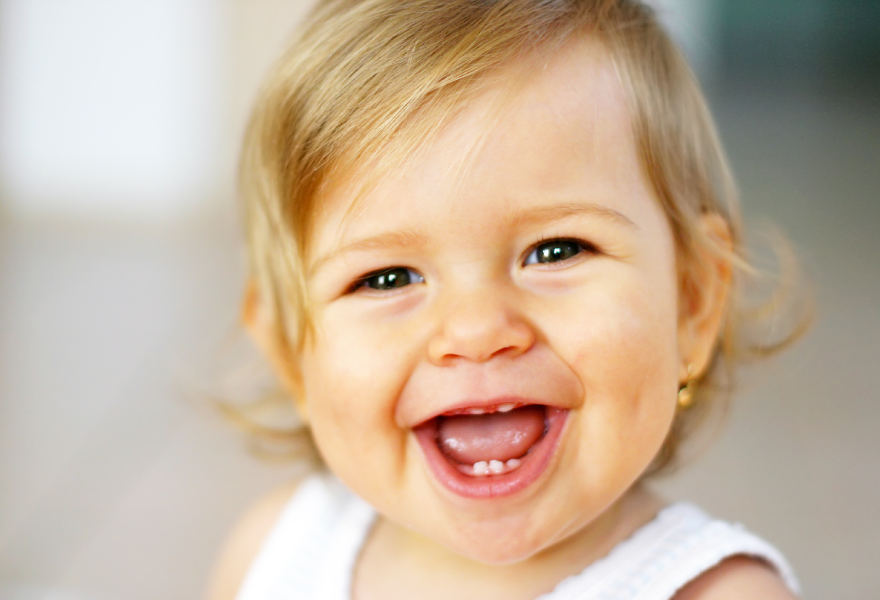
x,y
544,214
394,240
407,238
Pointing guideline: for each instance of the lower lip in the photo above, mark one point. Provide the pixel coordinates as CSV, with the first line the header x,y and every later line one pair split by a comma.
x,y
493,486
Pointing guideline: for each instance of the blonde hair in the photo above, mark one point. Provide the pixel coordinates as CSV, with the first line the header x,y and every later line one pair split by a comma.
x,y
365,72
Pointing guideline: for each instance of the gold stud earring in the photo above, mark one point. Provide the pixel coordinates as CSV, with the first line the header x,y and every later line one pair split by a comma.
x,y
686,391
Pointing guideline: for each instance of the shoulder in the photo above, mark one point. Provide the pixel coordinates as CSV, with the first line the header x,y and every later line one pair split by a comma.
x,y
245,542
734,578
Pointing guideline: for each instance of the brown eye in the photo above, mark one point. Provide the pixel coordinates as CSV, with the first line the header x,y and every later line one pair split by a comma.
x,y
390,279
554,251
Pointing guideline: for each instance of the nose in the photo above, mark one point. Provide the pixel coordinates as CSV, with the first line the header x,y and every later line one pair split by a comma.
x,y
478,327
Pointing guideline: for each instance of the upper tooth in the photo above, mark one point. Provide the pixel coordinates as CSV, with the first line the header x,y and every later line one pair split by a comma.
x,y
496,466
476,411
507,407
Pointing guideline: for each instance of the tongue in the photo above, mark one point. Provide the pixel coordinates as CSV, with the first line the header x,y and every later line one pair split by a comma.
x,y
469,439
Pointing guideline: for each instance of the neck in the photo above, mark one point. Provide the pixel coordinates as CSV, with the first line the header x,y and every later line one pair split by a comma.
x,y
397,562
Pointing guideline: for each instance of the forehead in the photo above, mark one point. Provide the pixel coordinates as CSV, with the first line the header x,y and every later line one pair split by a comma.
x,y
550,128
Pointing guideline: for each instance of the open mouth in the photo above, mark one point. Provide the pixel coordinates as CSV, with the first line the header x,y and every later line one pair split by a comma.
x,y
491,450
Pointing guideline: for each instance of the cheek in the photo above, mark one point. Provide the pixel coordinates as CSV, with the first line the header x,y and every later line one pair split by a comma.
x,y
342,359
351,384
621,329
622,346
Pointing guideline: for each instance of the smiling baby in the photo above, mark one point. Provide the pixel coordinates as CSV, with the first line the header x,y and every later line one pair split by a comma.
x,y
494,247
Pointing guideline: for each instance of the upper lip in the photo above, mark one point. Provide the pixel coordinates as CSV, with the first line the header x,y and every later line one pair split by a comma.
x,y
537,377
486,404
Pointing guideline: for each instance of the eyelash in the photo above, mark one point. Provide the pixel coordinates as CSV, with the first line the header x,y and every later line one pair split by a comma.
x,y
415,277
582,247
361,282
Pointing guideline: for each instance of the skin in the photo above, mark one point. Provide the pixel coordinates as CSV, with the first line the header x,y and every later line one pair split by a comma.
x,y
605,333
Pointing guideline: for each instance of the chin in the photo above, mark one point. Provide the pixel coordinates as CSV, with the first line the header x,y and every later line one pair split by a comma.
x,y
502,542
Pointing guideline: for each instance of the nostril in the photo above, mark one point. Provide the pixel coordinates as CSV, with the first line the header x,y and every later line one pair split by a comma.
x,y
511,350
478,355
481,334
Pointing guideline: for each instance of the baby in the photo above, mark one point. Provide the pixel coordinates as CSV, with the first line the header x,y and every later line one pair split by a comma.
x,y
493,252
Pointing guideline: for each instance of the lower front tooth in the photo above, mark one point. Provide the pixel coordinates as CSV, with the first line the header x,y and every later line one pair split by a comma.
x,y
496,466
481,467
513,463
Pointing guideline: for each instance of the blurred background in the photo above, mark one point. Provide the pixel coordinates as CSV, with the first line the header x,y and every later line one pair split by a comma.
x,y
121,266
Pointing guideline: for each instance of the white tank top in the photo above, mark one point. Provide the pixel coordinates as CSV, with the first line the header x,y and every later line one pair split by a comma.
x,y
312,549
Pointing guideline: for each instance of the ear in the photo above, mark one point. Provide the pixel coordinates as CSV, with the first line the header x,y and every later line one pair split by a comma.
x,y
262,329
704,292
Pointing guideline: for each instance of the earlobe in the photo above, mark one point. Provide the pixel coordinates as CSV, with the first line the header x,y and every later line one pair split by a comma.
x,y
705,290
261,328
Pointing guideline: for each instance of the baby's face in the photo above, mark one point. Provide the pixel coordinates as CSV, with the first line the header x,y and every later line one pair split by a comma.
x,y
521,267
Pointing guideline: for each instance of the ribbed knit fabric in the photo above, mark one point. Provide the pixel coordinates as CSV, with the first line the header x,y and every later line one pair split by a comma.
x,y
311,552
